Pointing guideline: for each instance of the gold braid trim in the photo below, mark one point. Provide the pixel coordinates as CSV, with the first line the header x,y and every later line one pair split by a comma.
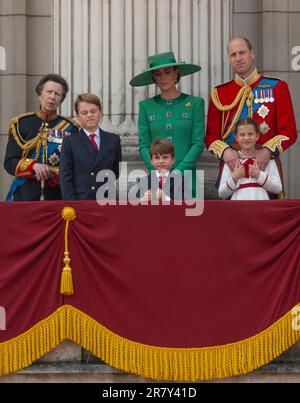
x,y
226,108
218,147
244,95
158,363
275,144
24,168
27,146
72,121
13,126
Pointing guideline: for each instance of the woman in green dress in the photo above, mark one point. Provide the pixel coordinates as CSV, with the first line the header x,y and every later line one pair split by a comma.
x,y
172,114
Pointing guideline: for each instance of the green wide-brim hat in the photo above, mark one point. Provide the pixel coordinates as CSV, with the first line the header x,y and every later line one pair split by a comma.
x,y
160,61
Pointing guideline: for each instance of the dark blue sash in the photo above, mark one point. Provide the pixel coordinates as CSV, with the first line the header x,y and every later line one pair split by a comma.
x,y
271,83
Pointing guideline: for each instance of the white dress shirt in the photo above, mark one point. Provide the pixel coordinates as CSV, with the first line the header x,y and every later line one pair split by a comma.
x,y
165,175
97,136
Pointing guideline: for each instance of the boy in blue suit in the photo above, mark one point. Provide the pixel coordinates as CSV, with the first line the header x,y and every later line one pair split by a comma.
x,y
87,152
160,184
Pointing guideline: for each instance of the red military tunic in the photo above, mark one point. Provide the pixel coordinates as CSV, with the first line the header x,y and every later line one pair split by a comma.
x,y
269,101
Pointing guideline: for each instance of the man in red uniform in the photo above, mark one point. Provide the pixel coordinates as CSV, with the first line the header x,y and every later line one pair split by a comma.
x,y
265,99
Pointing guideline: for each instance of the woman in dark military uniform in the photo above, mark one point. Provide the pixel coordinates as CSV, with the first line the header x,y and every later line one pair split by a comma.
x,y
34,142
173,115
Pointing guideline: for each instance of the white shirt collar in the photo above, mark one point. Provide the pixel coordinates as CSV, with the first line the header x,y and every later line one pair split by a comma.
x,y
165,174
96,133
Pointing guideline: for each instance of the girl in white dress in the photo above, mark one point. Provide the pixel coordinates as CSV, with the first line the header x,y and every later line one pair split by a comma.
x,y
247,181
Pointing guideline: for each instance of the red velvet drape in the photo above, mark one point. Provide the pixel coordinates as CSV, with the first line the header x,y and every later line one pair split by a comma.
x,y
151,274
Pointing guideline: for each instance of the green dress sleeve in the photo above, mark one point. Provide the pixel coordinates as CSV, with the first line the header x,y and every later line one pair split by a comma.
x,y
145,138
197,140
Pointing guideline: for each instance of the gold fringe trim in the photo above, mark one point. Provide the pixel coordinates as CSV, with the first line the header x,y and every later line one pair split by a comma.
x,y
166,364
22,351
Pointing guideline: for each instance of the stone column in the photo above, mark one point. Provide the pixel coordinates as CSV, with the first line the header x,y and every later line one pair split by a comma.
x,y
99,45
281,33
13,77
25,34
274,28
2,58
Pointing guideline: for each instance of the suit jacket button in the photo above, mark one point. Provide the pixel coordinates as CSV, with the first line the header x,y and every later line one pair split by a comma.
x,y
92,173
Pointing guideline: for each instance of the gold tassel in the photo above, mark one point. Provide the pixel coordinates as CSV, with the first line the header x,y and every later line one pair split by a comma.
x,y
66,285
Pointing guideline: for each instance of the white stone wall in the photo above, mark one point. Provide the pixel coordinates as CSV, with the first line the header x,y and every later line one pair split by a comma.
x,y
25,33
99,45
2,58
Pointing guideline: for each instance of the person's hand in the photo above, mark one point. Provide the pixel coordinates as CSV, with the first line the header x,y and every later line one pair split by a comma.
x,y
254,170
263,158
239,172
160,194
176,172
231,158
41,171
147,196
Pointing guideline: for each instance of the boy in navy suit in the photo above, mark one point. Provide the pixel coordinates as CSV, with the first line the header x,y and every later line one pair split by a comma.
x,y
160,184
87,152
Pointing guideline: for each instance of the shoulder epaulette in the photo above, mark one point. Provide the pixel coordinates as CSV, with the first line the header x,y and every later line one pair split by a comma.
x,y
15,120
13,129
272,78
70,120
224,84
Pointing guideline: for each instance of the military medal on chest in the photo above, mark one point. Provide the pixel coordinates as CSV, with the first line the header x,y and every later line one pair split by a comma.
x,y
263,111
267,97
259,98
57,136
264,96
